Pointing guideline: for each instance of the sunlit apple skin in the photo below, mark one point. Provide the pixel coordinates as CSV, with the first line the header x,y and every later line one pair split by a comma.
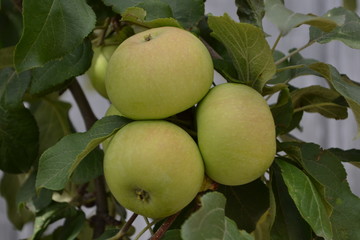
x,y
158,73
110,112
153,168
97,70
236,134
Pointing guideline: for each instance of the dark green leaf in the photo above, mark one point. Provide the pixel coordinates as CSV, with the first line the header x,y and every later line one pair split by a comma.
x,y
9,186
351,155
248,48
319,99
187,12
51,214
288,222
6,57
343,85
226,69
282,112
13,87
137,16
245,204
156,9
173,234
71,228
89,168
327,170
10,22
27,197
51,115
347,32
52,29
251,11
58,162
286,20
55,73
306,198
19,139
209,222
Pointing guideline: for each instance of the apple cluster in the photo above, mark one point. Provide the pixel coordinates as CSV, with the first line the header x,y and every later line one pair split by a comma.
x,y
154,167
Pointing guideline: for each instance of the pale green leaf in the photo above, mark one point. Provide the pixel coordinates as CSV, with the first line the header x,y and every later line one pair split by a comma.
x,y
347,32
286,20
347,88
306,198
209,222
52,29
58,162
248,48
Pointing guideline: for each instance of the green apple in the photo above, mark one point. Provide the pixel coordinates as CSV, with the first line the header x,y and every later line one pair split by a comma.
x,y
97,70
153,168
159,72
236,134
110,112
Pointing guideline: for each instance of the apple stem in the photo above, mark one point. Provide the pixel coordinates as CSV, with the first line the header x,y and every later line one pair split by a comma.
x,y
164,227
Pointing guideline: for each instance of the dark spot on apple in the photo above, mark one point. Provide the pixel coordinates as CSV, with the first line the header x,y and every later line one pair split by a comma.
x,y
142,195
148,37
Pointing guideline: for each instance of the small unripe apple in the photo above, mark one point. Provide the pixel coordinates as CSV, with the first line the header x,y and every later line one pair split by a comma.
x,y
97,70
158,73
153,168
236,134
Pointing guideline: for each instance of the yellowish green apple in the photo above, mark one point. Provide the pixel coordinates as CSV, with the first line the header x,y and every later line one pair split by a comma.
x,y
159,72
236,134
153,168
97,70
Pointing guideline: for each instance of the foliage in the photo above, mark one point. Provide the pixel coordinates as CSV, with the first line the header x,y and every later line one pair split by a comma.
x,y
52,172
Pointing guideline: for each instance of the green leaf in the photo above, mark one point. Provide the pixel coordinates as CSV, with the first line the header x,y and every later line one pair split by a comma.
x,y
282,112
28,198
245,204
327,170
288,224
137,16
286,20
173,234
52,117
9,186
306,198
350,4
6,57
187,12
55,73
351,155
248,48
209,222
319,99
51,214
251,11
71,227
13,87
11,22
58,162
52,29
89,168
343,85
347,32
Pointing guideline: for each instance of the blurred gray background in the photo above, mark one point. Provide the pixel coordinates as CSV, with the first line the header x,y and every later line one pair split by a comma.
x,y
317,129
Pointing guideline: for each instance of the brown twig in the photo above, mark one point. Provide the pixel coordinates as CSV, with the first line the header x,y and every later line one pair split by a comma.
x,y
125,228
99,220
164,227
